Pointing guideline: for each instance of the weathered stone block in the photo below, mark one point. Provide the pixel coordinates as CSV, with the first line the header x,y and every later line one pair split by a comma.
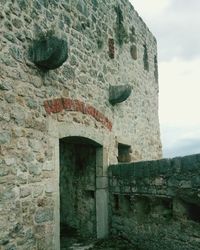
x,y
4,137
195,181
3,171
17,23
165,166
48,166
95,4
44,215
25,192
37,190
10,161
11,247
4,241
81,6
31,103
35,169
23,4
68,72
50,188
101,182
189,163
35,145
5,86
18,115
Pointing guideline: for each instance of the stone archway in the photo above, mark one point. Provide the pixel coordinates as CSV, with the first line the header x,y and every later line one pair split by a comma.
x,y
100,141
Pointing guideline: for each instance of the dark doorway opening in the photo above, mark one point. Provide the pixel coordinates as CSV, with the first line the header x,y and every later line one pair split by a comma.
x,y
77,190
124,152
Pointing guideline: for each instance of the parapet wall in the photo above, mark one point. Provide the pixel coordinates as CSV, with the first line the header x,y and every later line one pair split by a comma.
x,y
156,204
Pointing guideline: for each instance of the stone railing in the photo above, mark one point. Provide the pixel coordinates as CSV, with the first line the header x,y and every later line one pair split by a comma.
x,y
177,177
156,204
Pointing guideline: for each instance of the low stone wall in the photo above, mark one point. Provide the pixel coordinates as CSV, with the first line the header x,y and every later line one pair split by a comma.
x,y
156,204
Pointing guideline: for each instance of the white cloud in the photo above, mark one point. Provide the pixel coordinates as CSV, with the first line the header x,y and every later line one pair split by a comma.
x,y
179,107
179,92
180,141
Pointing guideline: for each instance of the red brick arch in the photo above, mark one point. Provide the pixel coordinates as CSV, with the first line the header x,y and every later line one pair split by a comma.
x,y
60,104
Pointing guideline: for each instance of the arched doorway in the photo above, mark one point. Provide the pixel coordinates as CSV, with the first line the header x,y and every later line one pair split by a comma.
x,y
77,182
64,132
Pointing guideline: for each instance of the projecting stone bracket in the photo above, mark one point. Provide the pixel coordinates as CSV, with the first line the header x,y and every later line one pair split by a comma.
x,y
49,52
119,93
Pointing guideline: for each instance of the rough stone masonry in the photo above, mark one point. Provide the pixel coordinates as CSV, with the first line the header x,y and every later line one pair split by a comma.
x,y
156,204
57,50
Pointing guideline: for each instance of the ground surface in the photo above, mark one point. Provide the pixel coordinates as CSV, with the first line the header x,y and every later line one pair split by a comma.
x,y
71,239
92,244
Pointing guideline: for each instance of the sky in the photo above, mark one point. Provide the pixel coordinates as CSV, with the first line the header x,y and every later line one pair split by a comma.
x,y
176,26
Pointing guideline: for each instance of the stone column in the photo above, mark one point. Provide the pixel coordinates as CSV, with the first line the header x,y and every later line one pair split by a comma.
x,y
102,193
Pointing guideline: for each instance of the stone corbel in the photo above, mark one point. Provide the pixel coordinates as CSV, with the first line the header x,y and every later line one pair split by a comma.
x,y
119,93
49,52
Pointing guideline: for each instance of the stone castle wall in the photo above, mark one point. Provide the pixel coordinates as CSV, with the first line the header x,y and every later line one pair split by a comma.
x,y
156,204
108,44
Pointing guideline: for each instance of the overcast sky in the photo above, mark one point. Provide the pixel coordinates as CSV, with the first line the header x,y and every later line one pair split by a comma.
x,y
176,25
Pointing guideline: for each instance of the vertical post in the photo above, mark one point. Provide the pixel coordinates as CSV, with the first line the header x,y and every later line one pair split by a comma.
x,y
54,140
101,193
